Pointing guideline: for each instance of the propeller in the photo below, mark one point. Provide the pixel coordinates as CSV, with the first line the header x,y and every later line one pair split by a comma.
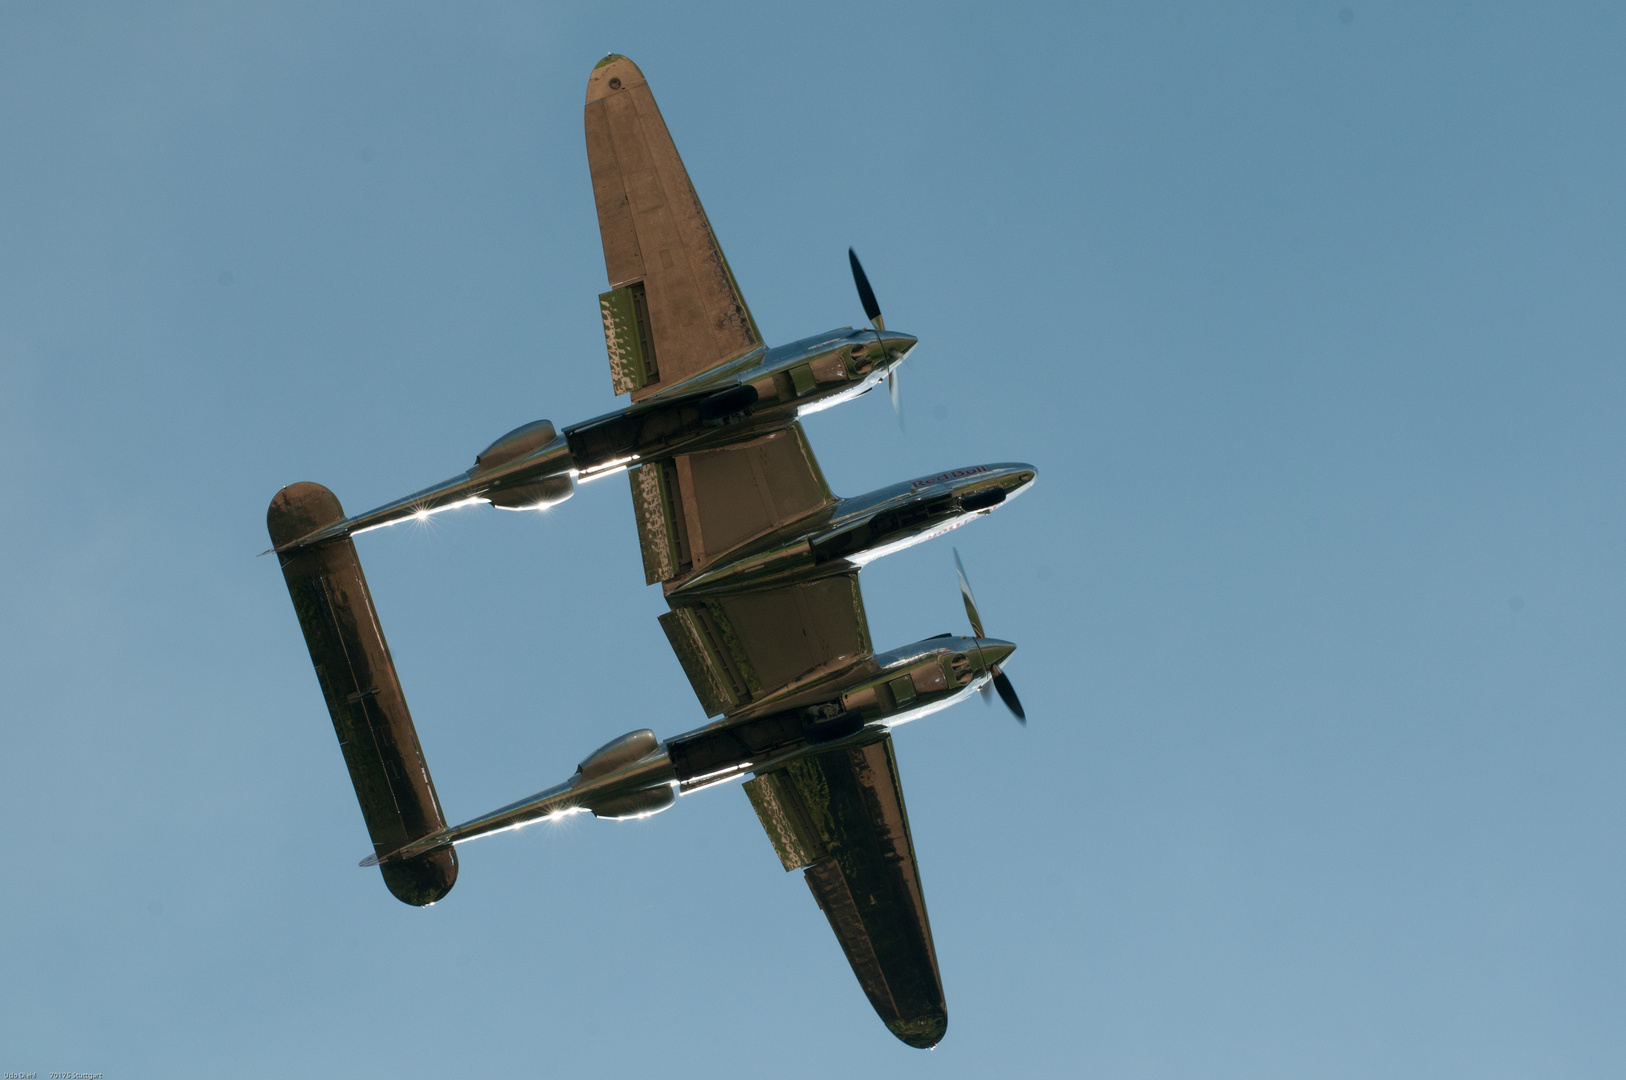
x,y
866,295
1002,683
872,312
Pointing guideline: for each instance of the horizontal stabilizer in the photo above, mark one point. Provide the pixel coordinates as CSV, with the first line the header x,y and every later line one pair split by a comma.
x,y
363,695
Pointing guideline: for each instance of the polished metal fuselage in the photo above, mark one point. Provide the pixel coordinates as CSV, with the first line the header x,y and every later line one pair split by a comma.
x,y
856,531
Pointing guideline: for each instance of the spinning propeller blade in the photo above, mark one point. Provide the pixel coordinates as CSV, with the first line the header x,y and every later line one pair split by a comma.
x,y
1001,681
1007,694
872,311
965,594
866,295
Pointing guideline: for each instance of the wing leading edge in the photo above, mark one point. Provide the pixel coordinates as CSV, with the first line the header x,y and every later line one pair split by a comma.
x,y
839,817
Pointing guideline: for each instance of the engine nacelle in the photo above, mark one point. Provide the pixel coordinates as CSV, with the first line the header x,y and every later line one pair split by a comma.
x,y
826,723
726,403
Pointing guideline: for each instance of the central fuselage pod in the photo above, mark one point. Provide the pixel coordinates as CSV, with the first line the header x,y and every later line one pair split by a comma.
x,y
857,531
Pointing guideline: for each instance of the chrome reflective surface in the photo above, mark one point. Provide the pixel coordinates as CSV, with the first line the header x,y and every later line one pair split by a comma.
x,y
790,381
856,531
939,672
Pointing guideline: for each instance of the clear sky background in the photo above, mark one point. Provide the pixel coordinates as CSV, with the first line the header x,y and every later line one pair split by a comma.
x,y
1311,317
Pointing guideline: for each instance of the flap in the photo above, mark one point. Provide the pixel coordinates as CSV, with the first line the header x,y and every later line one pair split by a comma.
x,y
694,509
741,648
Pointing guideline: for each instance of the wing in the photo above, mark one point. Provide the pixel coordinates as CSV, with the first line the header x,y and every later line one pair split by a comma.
x,y
673,310
738,649
692,509
840,817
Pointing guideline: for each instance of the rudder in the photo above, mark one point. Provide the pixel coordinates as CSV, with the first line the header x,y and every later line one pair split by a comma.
x,y
363,694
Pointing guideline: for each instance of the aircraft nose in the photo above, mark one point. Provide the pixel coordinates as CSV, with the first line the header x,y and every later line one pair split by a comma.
x,y
900,343
994,651
1024,475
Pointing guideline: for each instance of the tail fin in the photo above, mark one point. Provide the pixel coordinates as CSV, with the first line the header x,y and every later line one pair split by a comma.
x,y
363,694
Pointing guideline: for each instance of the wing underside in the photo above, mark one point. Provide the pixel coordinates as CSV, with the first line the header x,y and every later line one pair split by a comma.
x,y
742,648
839,816
694,508
673,310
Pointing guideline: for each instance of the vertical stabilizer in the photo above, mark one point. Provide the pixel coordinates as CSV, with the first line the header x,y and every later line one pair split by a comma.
x,y
363,695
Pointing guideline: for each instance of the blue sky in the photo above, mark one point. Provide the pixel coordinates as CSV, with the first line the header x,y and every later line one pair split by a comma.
x,y
1309,314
